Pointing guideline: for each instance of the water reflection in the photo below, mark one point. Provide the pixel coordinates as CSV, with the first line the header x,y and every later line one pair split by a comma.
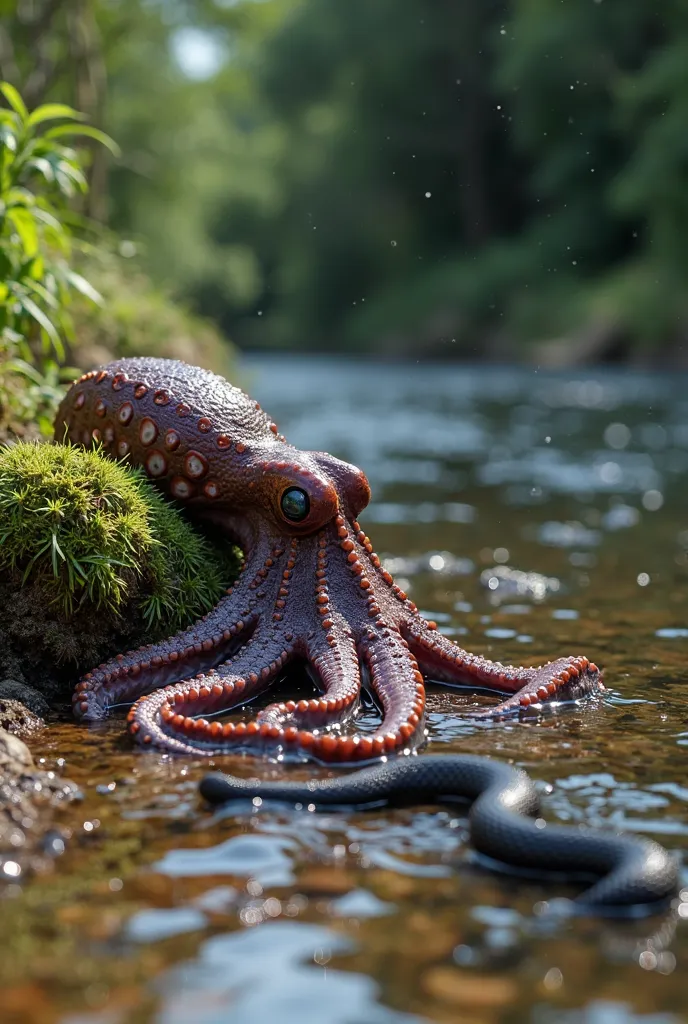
x,y
264,858
278,972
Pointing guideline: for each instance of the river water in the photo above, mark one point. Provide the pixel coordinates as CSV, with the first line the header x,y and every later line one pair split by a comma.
x,y
532,515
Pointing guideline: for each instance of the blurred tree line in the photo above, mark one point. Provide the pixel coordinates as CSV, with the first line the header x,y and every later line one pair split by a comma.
x,y
444,177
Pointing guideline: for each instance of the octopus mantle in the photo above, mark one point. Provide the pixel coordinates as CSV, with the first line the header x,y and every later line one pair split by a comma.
x,y
311,589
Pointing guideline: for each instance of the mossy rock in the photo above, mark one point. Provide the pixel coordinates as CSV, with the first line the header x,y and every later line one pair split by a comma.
x,y
93,560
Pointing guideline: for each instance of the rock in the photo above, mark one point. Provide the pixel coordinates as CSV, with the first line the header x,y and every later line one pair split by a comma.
x,y
462,988
14,689
15,756
28,799
16,718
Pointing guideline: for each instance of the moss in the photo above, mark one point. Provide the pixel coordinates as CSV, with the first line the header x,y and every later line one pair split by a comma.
x,y
85,540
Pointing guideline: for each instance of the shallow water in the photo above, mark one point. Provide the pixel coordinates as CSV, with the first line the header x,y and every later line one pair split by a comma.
x,y
533,516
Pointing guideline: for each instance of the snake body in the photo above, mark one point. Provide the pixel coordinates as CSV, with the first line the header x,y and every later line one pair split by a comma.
x,y
631,872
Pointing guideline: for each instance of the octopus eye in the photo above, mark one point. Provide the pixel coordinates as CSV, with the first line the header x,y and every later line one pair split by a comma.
x,y
295,504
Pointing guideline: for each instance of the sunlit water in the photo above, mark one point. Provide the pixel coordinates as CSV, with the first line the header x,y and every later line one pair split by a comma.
x,y
533,516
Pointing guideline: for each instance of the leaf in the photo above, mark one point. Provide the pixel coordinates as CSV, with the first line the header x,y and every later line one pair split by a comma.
x,y
38,269
26,228
53,112
40,317
47,218
19,197
83,286
56,550
8,138
5,265
43,167
14,100
73,171
84,129
24,369
43,293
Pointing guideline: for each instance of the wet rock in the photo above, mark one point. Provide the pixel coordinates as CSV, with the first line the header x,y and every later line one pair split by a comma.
x,y
15,756
28,799
14,689
474,991
16,718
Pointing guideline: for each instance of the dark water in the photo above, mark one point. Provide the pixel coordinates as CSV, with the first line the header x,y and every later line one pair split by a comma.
x,y
533,516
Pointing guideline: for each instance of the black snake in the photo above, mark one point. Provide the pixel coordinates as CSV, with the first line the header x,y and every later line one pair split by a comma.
x,y
631,872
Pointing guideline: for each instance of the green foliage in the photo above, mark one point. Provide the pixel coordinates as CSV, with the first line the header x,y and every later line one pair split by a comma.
x,y
40,174
136,317
98,538
394,176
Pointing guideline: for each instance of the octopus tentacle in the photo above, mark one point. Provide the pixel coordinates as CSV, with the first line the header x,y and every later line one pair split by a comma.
x,y
165,718
207,643
127,676
171,714
398,685
446,662
338,674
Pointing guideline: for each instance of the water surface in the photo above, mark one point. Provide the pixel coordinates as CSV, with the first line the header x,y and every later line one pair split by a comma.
x,y
533,515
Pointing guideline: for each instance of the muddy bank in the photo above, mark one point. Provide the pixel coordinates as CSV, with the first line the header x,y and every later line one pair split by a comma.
x,y
41,651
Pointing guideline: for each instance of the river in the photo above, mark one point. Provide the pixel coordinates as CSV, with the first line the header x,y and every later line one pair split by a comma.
x,y
532,515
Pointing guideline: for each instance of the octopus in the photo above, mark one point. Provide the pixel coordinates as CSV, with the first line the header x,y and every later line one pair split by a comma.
x,y
311,590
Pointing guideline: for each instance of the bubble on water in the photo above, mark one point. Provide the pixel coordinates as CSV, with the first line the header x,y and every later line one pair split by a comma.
x,y
652,500
272,907
610,473
428,194
620,517
647,960
553,979
393,243
617,435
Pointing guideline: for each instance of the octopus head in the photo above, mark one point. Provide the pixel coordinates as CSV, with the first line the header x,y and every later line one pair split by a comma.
x,y
302,491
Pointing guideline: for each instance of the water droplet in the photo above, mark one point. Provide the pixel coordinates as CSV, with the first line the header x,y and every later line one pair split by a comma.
x,y
653,500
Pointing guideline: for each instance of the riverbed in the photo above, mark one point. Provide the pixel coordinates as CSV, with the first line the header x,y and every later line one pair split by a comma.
x,y
531,515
